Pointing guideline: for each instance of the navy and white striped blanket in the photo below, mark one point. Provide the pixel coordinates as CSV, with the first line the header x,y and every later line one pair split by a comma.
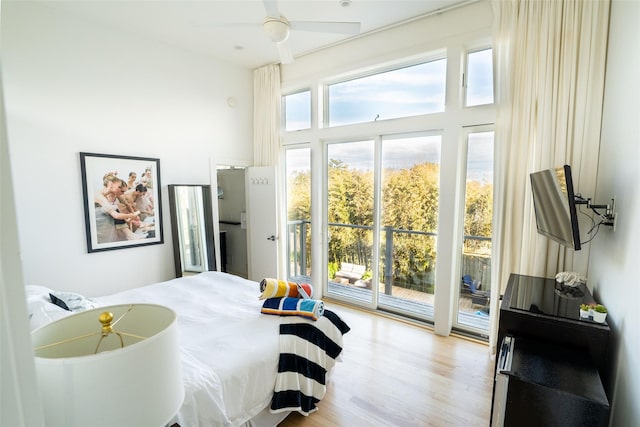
x,y
308,350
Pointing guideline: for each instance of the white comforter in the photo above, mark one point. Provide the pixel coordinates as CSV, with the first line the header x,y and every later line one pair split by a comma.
x,y
229,350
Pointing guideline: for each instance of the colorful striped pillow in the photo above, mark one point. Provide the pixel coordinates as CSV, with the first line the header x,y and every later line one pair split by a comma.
x,y
273,288
309,308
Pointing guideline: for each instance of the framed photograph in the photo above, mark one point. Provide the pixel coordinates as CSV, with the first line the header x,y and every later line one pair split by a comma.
x,y
122,205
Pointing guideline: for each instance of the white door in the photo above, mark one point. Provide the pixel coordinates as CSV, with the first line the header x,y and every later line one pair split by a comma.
x,y
262,229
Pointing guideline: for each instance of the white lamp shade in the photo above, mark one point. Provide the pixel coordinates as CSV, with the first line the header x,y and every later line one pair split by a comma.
x,y
138,385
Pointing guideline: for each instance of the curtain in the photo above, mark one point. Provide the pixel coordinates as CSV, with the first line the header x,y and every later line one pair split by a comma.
x,y
267,101
266,115
550,64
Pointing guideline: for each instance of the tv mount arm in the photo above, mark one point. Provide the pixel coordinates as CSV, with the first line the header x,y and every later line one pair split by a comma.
x,y
606,218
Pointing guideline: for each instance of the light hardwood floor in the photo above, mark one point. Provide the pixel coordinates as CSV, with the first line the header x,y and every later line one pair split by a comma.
x,y
394,373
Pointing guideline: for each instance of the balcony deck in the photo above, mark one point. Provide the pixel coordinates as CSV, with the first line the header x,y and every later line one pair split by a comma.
x,y
414,303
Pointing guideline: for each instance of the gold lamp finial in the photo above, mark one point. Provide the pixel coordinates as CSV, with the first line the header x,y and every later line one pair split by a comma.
x,y
106,318
107,328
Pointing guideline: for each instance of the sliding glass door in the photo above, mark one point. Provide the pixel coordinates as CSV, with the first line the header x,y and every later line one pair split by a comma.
x,y
475,291
298,235
382,218
350,220
410,192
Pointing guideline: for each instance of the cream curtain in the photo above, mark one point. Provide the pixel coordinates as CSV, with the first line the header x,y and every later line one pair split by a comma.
x,y
266,115
549,63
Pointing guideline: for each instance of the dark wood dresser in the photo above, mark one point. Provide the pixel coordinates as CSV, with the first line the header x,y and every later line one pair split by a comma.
x,y
560,362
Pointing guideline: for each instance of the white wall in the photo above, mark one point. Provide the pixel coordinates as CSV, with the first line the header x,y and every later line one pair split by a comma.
x,y
410,40
613,270
74,86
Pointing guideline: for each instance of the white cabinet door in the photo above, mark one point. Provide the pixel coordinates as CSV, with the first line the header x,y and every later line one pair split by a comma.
x,y
262,225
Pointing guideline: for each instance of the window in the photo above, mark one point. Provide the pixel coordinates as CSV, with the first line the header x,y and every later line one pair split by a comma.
x,y
393,197
404,92
479,82
350,213
297,111
298,170
473,303
410,170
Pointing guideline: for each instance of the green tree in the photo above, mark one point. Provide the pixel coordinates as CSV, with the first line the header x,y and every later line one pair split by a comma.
x,y
299,196
478,217
350,202
299,199
409,203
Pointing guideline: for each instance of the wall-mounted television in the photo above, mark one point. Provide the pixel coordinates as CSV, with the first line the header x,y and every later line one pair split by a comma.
x,y
554,204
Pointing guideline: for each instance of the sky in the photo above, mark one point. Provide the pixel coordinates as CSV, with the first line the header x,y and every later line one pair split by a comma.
x,y
414,90
403,153
409,91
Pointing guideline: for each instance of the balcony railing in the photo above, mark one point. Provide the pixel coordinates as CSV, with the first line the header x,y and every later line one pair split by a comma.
x,y
399,295
476,265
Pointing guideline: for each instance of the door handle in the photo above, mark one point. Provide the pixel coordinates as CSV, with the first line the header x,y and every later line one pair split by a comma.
x,y
272,238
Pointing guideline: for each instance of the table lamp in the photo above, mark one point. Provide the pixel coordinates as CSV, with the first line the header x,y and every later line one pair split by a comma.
x,y
110,366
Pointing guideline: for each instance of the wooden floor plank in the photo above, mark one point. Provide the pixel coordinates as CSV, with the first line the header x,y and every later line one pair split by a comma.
x,y
394,373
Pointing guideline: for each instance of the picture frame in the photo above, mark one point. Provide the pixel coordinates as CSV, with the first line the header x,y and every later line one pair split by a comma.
x,y
110,193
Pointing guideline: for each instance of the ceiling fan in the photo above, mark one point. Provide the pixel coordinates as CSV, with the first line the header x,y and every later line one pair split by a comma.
x,y
277,28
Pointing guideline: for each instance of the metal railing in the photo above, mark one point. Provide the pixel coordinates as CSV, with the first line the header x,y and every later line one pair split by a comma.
x,y
298,257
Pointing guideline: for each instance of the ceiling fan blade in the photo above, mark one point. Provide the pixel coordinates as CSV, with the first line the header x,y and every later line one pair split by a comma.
x,y
326,27
271,6
286,57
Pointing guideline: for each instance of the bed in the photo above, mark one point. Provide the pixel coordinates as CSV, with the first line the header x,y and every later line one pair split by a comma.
x,y
230,352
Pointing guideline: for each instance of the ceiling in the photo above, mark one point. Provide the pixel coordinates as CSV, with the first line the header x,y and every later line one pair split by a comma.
x,y
232,29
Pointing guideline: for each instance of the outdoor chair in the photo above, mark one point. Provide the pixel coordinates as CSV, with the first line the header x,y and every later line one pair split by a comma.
x,y
350,272
470,286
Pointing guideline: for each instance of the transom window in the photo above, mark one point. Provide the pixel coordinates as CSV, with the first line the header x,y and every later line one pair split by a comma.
x,y
479,78
409,91
297,111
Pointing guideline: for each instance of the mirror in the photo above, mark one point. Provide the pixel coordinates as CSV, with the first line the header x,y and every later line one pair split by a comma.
x,y
232,217
192,230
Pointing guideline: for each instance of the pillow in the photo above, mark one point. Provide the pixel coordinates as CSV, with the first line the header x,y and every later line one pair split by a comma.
x,y
36,292
57,301
71,301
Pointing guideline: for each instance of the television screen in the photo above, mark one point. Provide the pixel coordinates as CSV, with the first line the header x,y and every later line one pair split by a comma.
x,y
555,207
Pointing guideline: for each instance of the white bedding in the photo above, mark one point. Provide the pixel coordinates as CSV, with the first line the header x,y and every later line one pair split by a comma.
x,y
229,350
